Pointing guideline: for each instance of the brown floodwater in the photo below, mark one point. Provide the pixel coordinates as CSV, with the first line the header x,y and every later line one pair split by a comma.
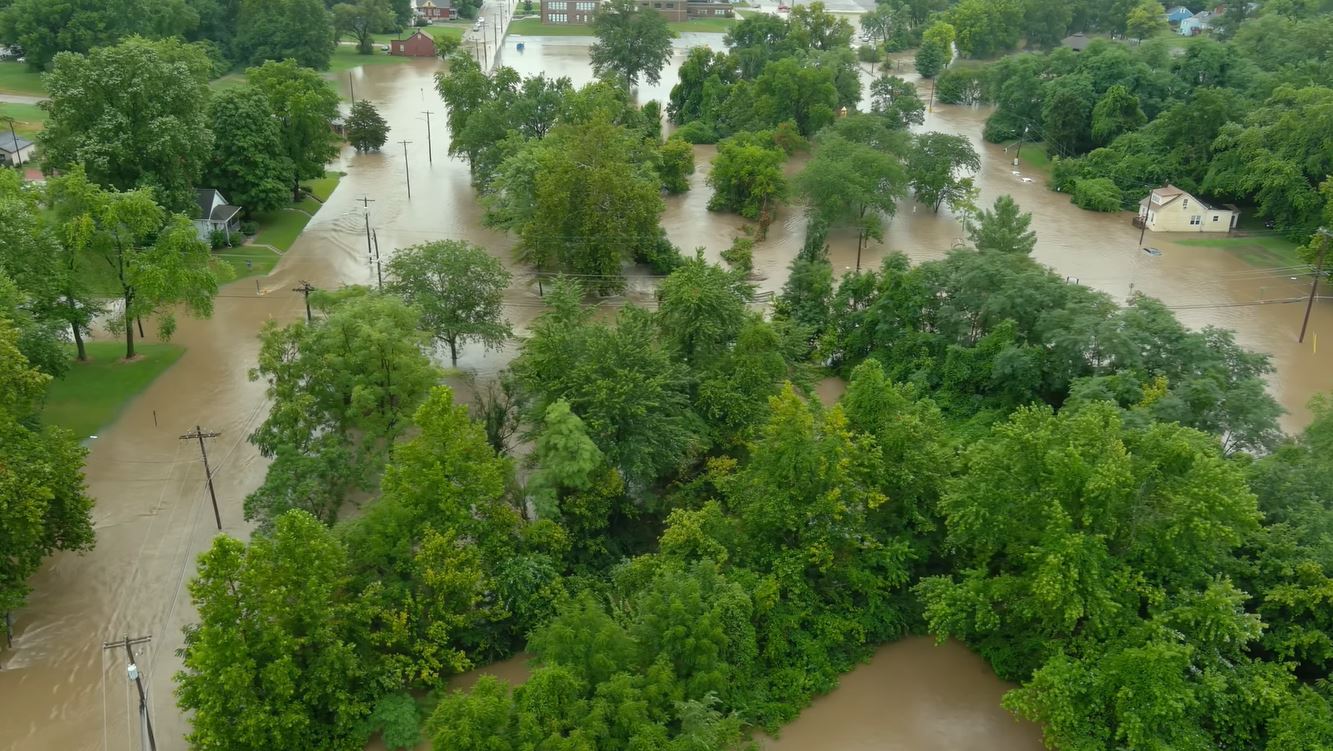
x,y
61,691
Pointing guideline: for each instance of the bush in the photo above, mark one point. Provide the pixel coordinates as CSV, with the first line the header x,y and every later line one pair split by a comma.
x,y
218,239
1002,127
659,255
740,256
1064,173
396,717
249,229
901,38
869,53
677,164
789,139
1097,194
421,22
963,86
445,46
696,131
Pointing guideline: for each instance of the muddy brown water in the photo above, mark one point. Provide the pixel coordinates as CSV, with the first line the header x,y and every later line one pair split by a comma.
x,y
61,690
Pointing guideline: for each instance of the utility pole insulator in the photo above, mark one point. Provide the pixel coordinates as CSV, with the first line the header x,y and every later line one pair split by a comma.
x,y
306,288
136,675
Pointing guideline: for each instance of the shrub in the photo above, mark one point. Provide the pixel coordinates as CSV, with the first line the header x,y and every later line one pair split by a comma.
x,y
869,53
696,131
1097,194
677,164
218,239
659,254
740,256
396,717
249,229
963,86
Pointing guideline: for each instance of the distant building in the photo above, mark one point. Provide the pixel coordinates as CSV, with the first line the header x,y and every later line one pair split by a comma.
x,y
420,44
1197,24
1177,14
15,151
1171,209
215,215
684,10
581,11
436,10
1076,42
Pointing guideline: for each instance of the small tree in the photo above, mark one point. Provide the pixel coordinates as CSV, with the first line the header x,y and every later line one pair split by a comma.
x,y
366,128
931,57
934,165
459,290
1004,230
740,256
1145,20
677,165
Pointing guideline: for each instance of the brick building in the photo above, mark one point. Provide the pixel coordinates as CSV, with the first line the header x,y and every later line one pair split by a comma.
x,y
581,11
417,45
437,10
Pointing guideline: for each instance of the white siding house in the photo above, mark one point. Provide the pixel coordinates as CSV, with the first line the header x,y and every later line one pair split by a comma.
x,y
1171,209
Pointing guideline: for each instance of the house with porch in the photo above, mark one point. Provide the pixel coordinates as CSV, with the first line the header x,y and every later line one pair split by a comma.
x,y
215,215
1170,209
15,151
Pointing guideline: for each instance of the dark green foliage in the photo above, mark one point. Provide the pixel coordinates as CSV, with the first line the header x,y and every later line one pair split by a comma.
x,y
396,718
677,164
276,30
366,128
746,176
963,86
1097,194
633,42
931,58
43,28
1004,230
248,165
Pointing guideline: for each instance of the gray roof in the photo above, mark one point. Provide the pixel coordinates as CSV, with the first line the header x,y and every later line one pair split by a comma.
x,y
7,143
223,212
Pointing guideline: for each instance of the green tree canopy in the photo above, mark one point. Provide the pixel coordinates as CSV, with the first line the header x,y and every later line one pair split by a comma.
x,y
44,28
366,128
632,42
305,107
361,20
134,115
249,164
1004,229
273,30
458,289
933,168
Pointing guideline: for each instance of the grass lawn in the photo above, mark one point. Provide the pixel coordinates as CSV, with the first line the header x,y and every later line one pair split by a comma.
x,y
93,393
260,260
1265,251
229,81
15,78
1035,158
323,187
280,228
29,119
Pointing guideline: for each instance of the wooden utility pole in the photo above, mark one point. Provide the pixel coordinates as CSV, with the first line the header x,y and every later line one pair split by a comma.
x,y
407,166
379,268
351,86
203,451
306,288
18,153
146,739
430,148
1314,283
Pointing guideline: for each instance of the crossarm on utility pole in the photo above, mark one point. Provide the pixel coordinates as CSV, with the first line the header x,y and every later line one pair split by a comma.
x,y
208,473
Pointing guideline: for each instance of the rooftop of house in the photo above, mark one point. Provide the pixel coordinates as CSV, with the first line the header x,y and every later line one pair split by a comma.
x,y
11,145
213,207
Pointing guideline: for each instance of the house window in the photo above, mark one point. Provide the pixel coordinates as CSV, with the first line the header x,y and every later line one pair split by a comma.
x,y
583,6
559,18
1196,220
1184,203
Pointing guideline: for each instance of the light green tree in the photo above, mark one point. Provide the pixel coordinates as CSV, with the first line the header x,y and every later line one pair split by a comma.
x,y
1145,20
1003,229
305,107
459,290
632,43
360,20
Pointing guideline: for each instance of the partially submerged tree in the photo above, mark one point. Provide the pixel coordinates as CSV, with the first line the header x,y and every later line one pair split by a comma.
x,y
632,42
366,128
459,290
305,106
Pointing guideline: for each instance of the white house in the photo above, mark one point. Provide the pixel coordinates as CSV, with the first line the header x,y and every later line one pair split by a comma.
x,y
1196,24
1171,209
15,151
215,215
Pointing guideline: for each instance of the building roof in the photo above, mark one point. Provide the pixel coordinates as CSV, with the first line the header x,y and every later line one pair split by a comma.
x,y
1077,42
9,145
1169,193
213,207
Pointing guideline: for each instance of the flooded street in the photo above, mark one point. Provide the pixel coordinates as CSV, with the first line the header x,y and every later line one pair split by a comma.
x,y
61,691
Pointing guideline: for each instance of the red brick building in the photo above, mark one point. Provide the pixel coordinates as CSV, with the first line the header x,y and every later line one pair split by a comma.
x,y
437,10
417,45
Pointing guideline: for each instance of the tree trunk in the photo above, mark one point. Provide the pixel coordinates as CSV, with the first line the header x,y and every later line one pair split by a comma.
x,y
139,322
129,327
74,328
296,188
453,352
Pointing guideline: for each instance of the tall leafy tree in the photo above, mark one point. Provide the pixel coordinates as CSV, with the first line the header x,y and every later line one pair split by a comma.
x,y
1003,229
342,389
271,663
1117,112
361,19
43,503
933,167
459,290
987,27
1145,20
853,183
701,310
134,115
305,107
632,42
299,30
746,177
158,260
787,89
249,165
617,378
897,102
1045,22
930,59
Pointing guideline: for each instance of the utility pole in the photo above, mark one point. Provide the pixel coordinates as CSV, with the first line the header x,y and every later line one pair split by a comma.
x,y
201,435
407,166
379,267
1314,284
351,86
430,148
306,288
146,739
365,202
18,153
